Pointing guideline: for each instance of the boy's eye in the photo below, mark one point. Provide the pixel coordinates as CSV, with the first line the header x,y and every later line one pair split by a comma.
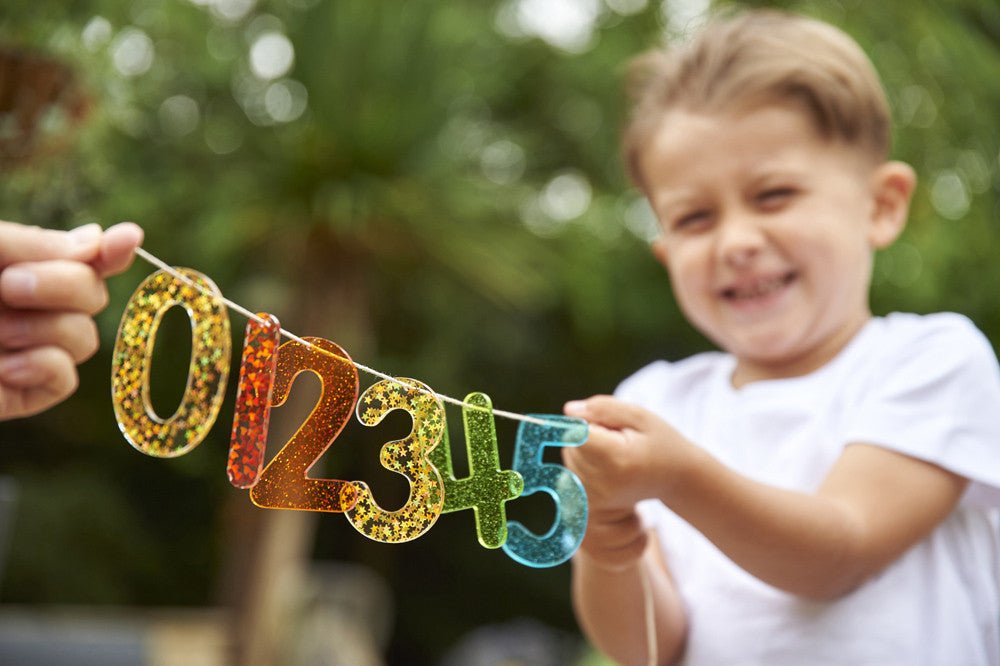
x,y
692,219
775,197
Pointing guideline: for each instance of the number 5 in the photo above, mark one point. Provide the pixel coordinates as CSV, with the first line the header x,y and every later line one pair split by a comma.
x,y
564,537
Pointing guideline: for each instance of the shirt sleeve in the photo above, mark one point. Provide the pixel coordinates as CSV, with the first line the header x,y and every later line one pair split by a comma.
x,y
934,394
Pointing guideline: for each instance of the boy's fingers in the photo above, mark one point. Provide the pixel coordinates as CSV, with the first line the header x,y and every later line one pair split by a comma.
x,y
570,460
19,243
607,411
31,381
117,250
596,462
73,331
53,285
614,542
609,440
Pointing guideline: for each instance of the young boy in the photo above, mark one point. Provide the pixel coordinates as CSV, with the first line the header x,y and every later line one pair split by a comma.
x,y
51,284
824,490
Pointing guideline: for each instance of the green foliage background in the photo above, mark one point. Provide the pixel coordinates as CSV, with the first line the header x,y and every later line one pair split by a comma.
x,y
417,196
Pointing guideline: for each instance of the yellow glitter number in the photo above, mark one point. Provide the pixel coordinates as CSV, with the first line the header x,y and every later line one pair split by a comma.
x,y
408,457
209,369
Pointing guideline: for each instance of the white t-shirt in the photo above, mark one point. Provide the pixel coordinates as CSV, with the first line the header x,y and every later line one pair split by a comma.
x,y
926,386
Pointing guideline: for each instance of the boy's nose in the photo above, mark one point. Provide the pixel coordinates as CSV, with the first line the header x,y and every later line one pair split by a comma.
x,y
740,239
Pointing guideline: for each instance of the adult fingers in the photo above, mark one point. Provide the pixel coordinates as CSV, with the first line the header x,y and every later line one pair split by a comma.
x,y
20,243
53,285
33,380
607,411
118,246
73,331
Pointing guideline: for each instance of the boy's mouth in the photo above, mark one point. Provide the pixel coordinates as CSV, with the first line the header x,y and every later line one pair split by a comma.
x,y
759,288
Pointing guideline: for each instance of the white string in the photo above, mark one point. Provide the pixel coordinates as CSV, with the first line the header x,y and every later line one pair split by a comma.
x,y
649,610
291,336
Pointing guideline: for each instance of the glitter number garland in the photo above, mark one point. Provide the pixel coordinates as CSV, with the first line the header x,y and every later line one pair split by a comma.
x,y
267,372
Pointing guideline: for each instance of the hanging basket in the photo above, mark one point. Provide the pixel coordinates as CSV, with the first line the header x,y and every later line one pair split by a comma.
x,y
41,106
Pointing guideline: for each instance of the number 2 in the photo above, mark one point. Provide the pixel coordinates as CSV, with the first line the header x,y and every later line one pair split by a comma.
x,y
284,483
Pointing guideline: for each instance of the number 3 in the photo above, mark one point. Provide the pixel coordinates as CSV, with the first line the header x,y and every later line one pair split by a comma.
x,y
406,456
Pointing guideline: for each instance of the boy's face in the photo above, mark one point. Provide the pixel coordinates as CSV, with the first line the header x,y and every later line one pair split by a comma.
x,y
767,233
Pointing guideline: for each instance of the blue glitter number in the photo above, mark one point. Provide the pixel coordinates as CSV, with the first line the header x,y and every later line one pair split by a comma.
x,y
564,537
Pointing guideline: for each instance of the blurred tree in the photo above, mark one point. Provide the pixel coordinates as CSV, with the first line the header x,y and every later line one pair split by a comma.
x,y
384,157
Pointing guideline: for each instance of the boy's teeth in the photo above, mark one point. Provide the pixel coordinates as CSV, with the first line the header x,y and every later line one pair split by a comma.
x,y
759,288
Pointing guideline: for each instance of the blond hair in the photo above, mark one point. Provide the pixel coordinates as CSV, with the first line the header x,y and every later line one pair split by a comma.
x,y
759,58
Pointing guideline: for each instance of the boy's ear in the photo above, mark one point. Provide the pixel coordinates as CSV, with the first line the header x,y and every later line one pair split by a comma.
x,y
892,186
659,249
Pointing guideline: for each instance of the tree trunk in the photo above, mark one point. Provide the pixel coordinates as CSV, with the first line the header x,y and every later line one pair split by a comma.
x,y
270,550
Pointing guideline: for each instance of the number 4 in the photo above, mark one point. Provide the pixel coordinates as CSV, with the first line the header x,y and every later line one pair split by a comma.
x,y
487,488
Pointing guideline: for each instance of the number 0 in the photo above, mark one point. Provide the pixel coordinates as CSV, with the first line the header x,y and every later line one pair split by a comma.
x,y
207,374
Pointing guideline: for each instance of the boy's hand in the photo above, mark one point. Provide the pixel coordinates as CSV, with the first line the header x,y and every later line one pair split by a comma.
x,y
51,284
630,455
614,540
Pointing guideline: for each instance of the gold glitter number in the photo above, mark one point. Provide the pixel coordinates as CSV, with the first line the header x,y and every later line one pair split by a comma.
x,y
284,483
207,375
408,457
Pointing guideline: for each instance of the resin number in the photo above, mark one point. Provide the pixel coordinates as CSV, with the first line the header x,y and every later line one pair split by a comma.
x,y
253,401
207,374
408,456
284,483
561,541
487,488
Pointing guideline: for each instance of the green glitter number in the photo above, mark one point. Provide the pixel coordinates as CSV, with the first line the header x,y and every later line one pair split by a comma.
x,y
207,374
487,488
408,456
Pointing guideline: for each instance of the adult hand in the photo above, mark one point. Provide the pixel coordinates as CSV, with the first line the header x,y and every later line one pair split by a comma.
x,y
51,285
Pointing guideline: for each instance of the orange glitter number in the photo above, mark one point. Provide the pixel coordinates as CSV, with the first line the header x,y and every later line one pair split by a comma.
x,y
209,369
284,483
253,401
408,456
